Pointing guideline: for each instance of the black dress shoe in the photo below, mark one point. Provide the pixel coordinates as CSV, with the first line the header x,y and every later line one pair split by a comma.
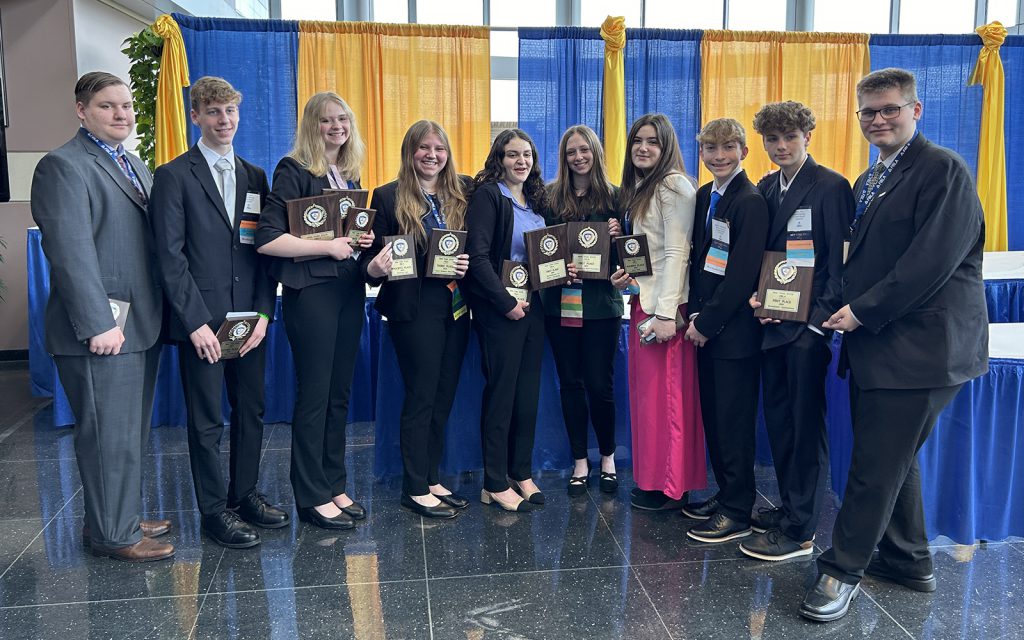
x,y
578,484
828,600
652,501
764,519
339,522
255,509
701,510
880,569
354,511
228,530
719,528
533,498
439,511
453,500
608,482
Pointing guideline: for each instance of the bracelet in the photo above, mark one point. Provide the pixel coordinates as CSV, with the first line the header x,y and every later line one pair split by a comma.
x,y
663,318
263,315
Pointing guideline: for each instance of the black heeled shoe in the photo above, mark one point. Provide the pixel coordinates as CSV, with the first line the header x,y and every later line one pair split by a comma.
x,y
537,497
522,506
354,510
578,484
437,511
609,482
452,500
340,522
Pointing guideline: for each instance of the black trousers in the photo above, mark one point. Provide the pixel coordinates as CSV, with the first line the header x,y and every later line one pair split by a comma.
x,y
585,360
728,403
429,349
793,382
882,505
202,383
511,352
324,322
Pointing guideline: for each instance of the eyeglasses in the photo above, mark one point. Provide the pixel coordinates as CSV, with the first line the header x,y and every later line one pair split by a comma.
x,y
867,115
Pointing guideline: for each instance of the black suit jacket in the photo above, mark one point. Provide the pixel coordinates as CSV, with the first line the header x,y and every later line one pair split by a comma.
x,y
292,181
205,270
723,301
489,225
399,300
913,277
830,199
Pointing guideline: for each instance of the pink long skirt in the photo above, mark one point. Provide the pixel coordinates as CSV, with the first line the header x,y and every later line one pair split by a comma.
x,y
664,408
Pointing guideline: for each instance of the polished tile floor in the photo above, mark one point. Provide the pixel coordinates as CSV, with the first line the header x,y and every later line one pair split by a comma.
x,y
588,567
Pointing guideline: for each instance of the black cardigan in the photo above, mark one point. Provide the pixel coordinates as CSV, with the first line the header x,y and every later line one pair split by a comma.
x,y
489,225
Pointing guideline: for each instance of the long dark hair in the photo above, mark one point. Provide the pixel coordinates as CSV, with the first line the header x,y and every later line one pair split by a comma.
x,y
494,170
561,192
636,197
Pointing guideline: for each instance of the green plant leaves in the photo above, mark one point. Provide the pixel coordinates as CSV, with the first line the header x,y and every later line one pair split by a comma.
x,y
144,50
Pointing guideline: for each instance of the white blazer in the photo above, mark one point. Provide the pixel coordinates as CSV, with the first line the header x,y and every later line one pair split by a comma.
x,y
668,225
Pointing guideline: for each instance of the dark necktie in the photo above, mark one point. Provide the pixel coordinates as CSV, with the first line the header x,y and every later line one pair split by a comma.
x,y
122,162
715,197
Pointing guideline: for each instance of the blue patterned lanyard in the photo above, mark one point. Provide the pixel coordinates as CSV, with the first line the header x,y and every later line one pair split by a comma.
x,y
116,155
435,210
868,191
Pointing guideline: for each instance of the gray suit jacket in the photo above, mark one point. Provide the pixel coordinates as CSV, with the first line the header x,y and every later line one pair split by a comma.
x,y
97,238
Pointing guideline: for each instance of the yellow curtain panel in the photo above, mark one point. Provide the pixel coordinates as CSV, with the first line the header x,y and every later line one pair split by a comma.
x,y
394,75
613,31
171,138
991,150
743,70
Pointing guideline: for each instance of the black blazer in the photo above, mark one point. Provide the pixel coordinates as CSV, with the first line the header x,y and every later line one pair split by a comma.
x,y
398,300
830,199
913,277
205,270
489,225
291,181
723,301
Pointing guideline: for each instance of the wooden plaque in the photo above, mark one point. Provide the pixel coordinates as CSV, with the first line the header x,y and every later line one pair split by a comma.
x,y
784,290
403,257
314,218
234,331
119,308
634,254
589,249
349,198
547,251
358,222
515,277
442,249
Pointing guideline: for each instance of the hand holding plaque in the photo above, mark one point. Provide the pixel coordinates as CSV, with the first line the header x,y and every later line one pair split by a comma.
x,y
234,331
515,277
403,257
589,245
442,253
784,290
314,218
634,254
546,251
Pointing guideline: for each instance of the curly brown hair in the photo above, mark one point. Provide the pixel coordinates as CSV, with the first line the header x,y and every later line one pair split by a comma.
x,y
493,170
783,117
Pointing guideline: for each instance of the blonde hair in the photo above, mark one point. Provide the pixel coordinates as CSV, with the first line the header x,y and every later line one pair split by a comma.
x,y
721,131
409,203
309,150
561,193
636,198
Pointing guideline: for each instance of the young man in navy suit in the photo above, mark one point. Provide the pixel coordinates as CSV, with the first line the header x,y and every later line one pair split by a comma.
x,y
916,329
205,206
804,200
728,243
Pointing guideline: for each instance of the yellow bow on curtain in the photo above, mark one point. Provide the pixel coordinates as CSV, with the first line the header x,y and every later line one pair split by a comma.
x,y
171,139
613,31
991,150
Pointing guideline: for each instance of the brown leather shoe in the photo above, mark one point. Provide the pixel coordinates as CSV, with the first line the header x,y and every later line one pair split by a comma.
x,y
150,529
145,550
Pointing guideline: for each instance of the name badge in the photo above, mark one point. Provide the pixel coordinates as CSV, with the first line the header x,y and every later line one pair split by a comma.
x,y
799,240
252,203
718,254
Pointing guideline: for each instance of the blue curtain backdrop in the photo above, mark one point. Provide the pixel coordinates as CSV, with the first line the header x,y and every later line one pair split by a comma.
x,y
561,81
260,58
663,75
1012,54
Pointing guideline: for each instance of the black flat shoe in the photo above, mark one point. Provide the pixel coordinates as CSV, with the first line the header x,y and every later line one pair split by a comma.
x,y
828,600
340,522
354,511
578,484
453,500
533,498
522,506
609,482
438,511
228,530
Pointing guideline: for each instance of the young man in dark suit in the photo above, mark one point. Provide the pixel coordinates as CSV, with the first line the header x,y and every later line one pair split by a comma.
x,y
89,200
805,200
205,206
916,329
728,242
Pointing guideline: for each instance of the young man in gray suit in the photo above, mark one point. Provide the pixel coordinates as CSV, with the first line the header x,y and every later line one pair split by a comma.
x,y
89,199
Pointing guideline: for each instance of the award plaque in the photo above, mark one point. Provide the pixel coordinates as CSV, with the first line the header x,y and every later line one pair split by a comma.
x,y
784,290
234,331
358,221
403,257
120,310
313,219
546,252
349,198
589,245
634,254
515,277
444,245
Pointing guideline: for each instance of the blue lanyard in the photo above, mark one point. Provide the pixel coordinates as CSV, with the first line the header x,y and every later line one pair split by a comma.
x,y
438,214
868,191
116,155
627,223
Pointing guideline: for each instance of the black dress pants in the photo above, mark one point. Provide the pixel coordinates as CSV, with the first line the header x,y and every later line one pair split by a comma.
x,y
793,382
511,352
429,349
728,403
882,505
324,322
202,383
585,360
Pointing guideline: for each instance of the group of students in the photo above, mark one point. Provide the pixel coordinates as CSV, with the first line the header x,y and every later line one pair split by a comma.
x,y
219,240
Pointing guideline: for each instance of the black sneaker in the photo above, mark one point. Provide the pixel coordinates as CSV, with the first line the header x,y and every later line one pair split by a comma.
x,y
775,545
765,519
719,528
701,510
653,501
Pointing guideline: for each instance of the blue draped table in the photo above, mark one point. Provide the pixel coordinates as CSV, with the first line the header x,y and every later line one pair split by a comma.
x,y
169,402
1004,285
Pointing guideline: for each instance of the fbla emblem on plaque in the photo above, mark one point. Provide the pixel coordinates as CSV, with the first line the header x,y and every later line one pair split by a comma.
x,y
548,245
448,244
784,272
400,247
314,215
362,219
587,237
116,310
632,246
519,276
239,331
343,206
